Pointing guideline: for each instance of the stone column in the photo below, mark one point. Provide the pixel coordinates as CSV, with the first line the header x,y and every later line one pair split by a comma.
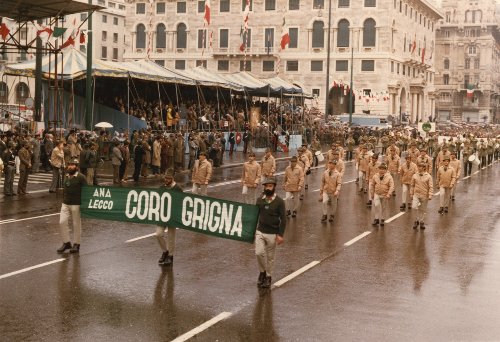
x,y
413,107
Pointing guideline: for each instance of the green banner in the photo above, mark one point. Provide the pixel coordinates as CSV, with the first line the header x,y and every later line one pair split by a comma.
x,y
200,214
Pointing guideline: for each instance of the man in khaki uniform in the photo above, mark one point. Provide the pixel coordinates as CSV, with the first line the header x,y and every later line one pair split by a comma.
x,y
24,155
268,165
381,188
413,151
202,172
424,158
362,160
303,162
373,168
250,179
393,163
457,166
446,177
340,166
293,183
331,182
406,171
421,191
444,153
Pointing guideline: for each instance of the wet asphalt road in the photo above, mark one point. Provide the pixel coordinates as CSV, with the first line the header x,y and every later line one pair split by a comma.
x,y
393,284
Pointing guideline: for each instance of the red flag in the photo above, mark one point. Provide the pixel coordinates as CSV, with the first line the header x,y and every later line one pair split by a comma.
x,y
4,31
423,55
82,38
46,30
207,12
70,41
285,37
414,46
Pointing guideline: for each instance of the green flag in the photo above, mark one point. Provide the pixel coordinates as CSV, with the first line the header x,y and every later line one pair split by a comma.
x,y
200,214
59,31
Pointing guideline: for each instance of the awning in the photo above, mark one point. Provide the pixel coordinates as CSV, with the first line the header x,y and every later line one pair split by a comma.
x,y
27,10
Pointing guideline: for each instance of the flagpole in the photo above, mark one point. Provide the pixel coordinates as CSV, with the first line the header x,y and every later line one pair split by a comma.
x,y
88,81
327,88
350,87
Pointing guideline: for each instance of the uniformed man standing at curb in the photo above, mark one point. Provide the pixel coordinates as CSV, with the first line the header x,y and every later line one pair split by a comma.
x,y
293,183
270,230
250,179
421,191
202,172
167,244
381,188
445,179
331,182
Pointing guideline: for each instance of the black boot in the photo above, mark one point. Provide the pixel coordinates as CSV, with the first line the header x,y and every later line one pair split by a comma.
x,y
294,213
415,225
402,207
323,218
64,247
441,210
409,206
381,223
267,283
375,222
369,203
169,260
446,209
422,225
288,213
163,258
331,218
306,187
75,248
260,280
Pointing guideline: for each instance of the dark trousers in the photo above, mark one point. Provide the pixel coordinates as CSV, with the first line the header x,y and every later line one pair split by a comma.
x,y
137,170
57,174
23,180
349,155
8,182
121,171
467,168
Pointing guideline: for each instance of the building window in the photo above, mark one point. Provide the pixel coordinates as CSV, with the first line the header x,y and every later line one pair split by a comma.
x,y
202,40
181,7
268,66
472,50
101,2
293,32
397,68
247,38
121,7
83,48
180,64
22,92
316,65
246,66
115,21
104,36
104,52
269,36
446,79
369,33
292,65
104,19
293,5
370,3
224,6
341,65
367,65
446,63
318,4
201,63
160,8
181,36
83,16
223,65
318,34
4,92
244,4
115,54
161,36
446,33
201,6
115,37
343,34
160,62
224,38
466,64
140,8
476,63
344,3
140,37
270,5
392,67
315,92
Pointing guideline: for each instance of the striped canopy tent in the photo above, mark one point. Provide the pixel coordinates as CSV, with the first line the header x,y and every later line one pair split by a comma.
x,y
166,74
248,82
71,64
278,84
207,78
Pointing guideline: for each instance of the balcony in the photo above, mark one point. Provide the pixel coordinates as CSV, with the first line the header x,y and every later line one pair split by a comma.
x,y
252,51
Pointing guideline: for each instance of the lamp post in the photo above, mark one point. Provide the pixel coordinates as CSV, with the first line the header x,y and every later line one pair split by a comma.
x,y
327,91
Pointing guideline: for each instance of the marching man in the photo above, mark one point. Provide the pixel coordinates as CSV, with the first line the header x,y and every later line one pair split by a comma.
x,y
268,165
202,172
362,160
331,182
457,166
293,183
446,177
303,162
421,190
372,170
406,171
250,179
393,164
381,188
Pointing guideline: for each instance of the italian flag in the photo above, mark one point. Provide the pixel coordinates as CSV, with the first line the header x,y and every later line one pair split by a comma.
x,y
285,37
470,91
242,37
207,12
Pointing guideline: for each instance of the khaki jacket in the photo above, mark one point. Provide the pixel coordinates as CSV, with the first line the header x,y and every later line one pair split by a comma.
x,y
156,158
268,166
303,161
294,179
446,178
340,167
251,174
372,170
422,186
363,160
331,181
457,165
309,155
427,160
57,158
383,187
24,157
202,172
393,163
407,173
440,157
414,153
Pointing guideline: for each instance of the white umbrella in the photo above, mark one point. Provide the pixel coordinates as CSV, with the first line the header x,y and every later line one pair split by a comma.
x,y
104,124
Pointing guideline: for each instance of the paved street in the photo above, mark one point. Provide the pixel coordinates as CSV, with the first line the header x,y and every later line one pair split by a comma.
x,y
340,281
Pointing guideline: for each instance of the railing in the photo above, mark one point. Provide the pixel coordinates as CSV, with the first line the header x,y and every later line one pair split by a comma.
x,y
249,51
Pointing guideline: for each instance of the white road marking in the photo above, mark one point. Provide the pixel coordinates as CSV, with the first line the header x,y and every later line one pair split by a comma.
x,y
466,177
202,327
140,238
437,193
3,276
357,238
296,273
351,181
27,218
394,217
475,172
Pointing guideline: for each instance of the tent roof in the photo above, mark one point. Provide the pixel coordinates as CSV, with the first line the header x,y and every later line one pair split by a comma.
x,y
208,78
279,84
26,10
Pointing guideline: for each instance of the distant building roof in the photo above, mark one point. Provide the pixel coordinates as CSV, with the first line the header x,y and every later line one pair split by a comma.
x,y
26,10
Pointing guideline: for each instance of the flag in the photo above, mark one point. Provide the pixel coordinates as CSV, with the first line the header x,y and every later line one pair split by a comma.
x,y
4,31
206,17
423,55
59,31
470,91
82,38
242,37
70,41
285,37
44,32
414,45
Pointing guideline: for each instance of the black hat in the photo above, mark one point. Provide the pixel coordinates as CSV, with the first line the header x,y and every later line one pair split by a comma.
x,y
269,180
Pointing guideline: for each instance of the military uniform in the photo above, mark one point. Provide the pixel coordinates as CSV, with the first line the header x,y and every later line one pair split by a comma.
x,y
421,191
381,188
446,177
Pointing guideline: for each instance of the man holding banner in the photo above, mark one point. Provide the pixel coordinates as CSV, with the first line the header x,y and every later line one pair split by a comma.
x,y
167,244
270,230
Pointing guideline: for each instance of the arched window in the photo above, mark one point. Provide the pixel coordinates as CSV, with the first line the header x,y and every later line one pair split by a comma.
x,y
343,33
161,36
4,92
446,64
369,33
318,34
140,37
22,92
181,36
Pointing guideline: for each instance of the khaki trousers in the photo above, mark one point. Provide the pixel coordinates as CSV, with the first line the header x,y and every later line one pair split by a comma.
x,y
444,196
265,249
292,200
74,212
379,207
249,195
167,243
199,189
329,204
406,193
420,205
90,176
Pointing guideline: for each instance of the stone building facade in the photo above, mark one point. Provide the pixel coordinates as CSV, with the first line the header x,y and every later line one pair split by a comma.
x,y
392,42
468,61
